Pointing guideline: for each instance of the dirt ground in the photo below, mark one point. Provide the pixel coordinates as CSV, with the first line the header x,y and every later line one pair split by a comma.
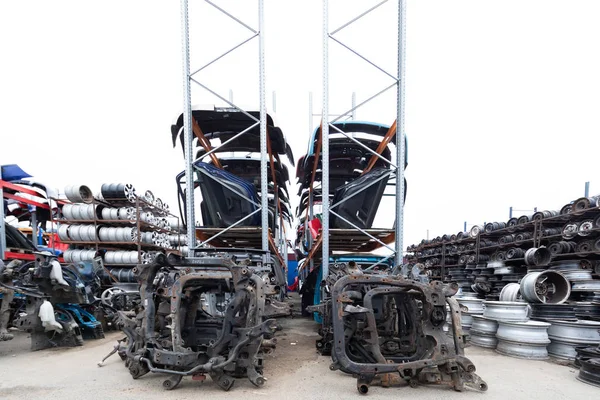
x,y
294,371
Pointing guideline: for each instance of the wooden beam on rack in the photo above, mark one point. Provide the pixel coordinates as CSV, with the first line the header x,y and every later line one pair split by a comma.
x,y
275,187
205,143
313,251
315,165
276,251
382,145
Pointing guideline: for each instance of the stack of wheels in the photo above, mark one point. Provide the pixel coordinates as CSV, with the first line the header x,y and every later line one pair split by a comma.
x,y
110,213
547,312
486,276
483,332
117,235
562,247
523,339
566,336
122,275
587,310
79,211
460,276
481,287
118,191
585,289
122,257
502,276
485,326
74,256
509,311
78,233
470,307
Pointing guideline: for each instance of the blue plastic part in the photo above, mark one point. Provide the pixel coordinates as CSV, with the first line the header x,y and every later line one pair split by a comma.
x,y
12,172
84,319
250,190
343,258
317,295
16,296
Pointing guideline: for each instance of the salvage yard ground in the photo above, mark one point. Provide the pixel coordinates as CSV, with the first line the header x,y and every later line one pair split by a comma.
x,y
294,371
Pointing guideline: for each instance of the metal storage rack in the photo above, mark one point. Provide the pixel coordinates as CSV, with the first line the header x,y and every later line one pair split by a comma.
x,y
357,239
230,236
493,245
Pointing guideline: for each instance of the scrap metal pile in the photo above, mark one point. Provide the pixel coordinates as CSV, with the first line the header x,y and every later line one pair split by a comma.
x,y
383,328
202,315
69,285
387,330
58,301
530,287
211,311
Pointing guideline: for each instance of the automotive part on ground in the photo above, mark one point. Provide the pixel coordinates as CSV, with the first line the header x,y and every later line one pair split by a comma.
x,y
590,371
200,316
523,339
385,329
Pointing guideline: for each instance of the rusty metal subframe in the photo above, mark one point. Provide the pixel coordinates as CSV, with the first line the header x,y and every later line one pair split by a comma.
x,y
433,294
248,289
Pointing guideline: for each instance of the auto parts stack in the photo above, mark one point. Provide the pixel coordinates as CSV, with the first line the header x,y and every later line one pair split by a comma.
x,y
544,271
119,226
201,316
210,312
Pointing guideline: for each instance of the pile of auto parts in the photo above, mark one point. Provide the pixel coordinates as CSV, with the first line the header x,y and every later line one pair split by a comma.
x,y
51,313
199,316
229,178
228,168
117,225
567,242
385,330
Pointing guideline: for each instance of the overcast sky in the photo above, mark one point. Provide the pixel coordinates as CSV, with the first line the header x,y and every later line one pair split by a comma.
x,y
502,97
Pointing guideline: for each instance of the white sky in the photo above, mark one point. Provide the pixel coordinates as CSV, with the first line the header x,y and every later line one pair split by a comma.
x,y
502,97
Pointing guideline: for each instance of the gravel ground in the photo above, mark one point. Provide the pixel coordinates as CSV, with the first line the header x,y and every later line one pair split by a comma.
x,y
294,371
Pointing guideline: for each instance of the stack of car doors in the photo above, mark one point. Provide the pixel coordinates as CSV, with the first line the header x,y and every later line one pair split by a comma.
x,y
355,175
227,181
359,179
228,173
352,168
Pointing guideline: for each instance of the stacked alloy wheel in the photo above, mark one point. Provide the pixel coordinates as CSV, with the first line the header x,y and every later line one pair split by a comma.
x,y
523,339
483,332
566,336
